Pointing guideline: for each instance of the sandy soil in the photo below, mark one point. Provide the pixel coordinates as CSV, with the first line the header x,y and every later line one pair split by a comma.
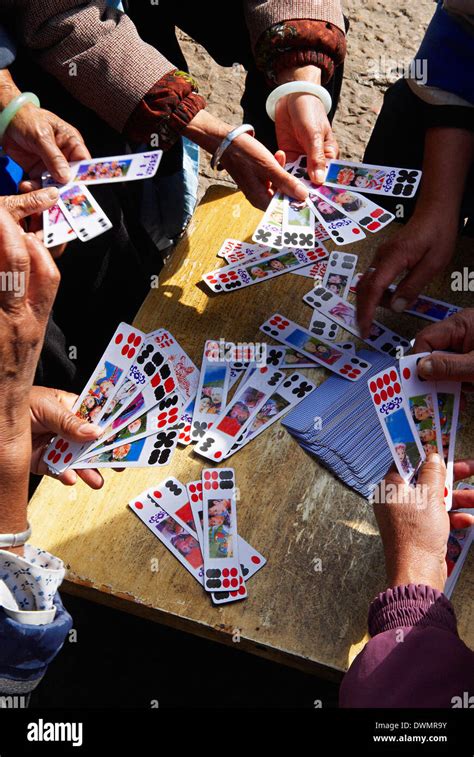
x,y
383,37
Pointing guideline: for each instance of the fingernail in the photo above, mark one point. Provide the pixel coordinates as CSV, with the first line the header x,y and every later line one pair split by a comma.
x,y
426,367
52,193
433,457
64,173
319,176
399,305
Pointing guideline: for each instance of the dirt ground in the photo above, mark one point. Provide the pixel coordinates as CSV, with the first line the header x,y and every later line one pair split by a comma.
x,y
383,37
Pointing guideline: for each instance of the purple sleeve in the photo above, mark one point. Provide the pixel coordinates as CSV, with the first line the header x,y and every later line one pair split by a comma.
x,y
415,657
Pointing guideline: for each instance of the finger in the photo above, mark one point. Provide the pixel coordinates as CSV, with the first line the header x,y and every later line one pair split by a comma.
x,y
14,262
29,185
331,146
410,287
463,469
461,520
387,266
91,477
52,156
280,157
285,182
439,336
72,145
44,276
58,419
23,205
314,147
432,477
443,366
463,498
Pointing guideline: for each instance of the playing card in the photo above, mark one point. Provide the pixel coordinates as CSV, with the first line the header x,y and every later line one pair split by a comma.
x,y
150,381
339,273
239,413
449,396
360,209
99,392
186,373
429,308
212,391
234,251
364,177
343,313
323,353
291,391
250,559
395,418
269,230
155,450
82,212
298,224
220,549
238,276
160,418
177,539
172,496
56,230
323,326
184,424
341,229
423,404
142,165
315,271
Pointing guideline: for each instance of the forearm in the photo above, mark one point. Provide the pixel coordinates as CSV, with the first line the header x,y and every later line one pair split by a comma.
x,y
15,457
299,73
448,157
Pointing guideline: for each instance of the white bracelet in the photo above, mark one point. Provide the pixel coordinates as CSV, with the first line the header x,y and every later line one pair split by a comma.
x,y
228,139
297,87
15,540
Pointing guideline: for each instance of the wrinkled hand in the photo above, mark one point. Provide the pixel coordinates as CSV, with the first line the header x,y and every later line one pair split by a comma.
x,y
456,334
39,140
302,128
51,414
415,529
423,248
258,173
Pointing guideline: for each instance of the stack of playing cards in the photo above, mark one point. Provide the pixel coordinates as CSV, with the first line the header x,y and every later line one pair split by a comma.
x,y
337,425
336,207
140,394
197,523
77,214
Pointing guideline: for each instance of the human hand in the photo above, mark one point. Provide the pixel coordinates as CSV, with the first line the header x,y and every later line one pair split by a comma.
x,y
50,411
422,248
455,333
254,169
39,140
414,525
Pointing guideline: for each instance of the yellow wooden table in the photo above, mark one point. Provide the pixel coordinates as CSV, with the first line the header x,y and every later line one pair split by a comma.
x,y
291,509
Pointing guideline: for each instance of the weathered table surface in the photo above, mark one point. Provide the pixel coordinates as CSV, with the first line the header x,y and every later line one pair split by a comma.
x,y
291,509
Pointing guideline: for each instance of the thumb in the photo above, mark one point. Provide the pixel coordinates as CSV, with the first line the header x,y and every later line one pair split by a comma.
x,y
447,366
59,420
53,158
20,206
431,480
286,183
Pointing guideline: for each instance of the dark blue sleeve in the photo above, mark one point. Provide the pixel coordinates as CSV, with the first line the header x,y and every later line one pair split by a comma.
x,y
26,651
